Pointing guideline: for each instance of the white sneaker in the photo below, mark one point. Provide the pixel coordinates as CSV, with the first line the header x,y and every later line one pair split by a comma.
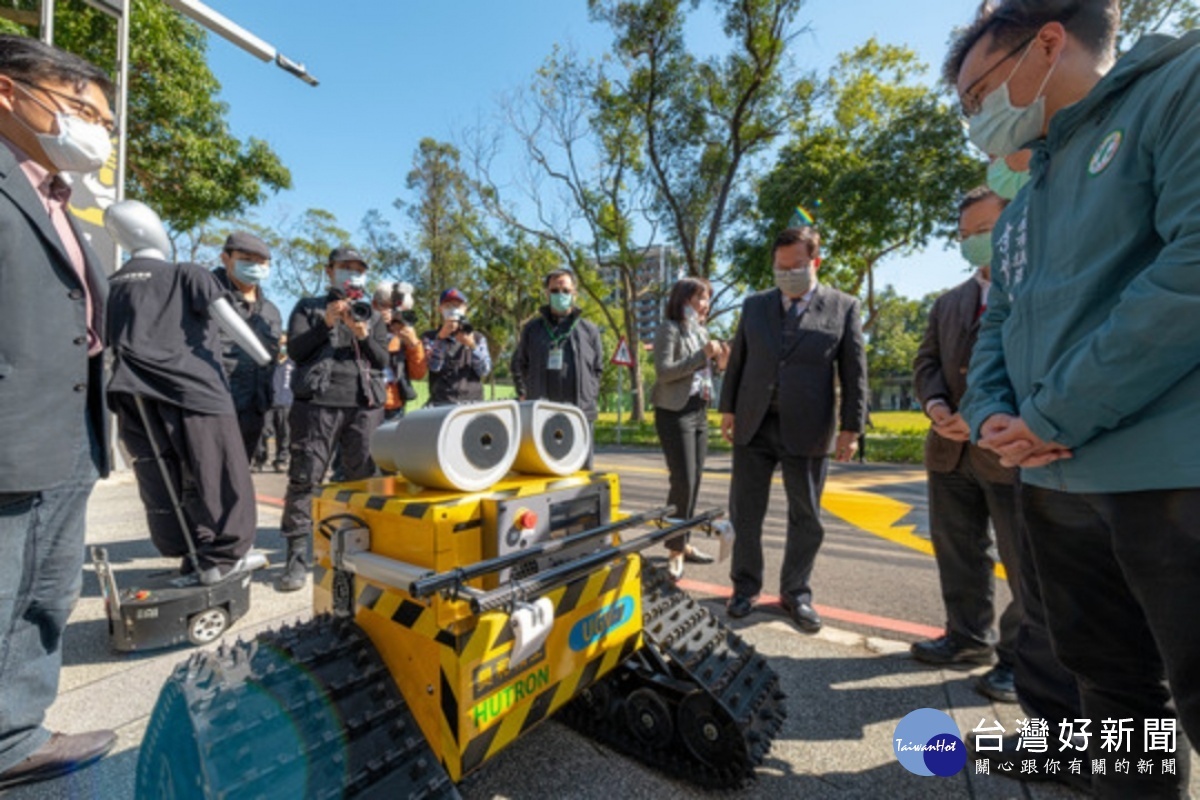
x,y
675,565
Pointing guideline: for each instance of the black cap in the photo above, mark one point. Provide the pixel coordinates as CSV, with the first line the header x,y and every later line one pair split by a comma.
x,y
345,253
247,243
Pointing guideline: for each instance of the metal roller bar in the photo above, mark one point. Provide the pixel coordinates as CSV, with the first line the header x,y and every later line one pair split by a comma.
x,y
455,579
388,571
565,573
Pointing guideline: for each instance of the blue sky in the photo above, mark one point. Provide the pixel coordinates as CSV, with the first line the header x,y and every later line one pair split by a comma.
x,y
394,71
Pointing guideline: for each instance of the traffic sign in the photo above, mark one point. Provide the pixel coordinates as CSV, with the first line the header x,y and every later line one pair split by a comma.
x,y
622,358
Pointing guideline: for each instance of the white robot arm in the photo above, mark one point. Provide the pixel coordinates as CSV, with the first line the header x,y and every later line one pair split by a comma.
x,y
140,232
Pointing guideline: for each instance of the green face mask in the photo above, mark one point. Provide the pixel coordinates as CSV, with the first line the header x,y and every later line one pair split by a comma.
x,y
977,249
1004,180
561,303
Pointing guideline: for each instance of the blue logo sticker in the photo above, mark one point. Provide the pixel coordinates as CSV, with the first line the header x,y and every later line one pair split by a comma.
x,y
927,742
602,622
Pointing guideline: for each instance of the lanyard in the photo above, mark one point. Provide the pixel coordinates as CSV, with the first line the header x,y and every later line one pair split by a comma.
x,y
555,340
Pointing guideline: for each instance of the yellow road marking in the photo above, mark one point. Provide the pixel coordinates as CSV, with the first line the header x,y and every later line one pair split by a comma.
x,y
845,498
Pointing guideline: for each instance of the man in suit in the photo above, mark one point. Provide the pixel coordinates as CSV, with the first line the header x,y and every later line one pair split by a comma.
x,y
967,485
777,406
54,117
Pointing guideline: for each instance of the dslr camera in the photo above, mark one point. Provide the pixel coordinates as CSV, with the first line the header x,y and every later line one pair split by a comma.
x,y
360,306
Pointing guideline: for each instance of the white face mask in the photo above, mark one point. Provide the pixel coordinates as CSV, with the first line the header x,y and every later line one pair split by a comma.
x,y
453,314
349,279
78,146
795,282
1000,128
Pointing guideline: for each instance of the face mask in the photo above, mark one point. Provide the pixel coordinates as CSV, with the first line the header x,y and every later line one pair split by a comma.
x,y
1000,128
453,314
977,249
1004,180
794,282
349,279
249,272
561,303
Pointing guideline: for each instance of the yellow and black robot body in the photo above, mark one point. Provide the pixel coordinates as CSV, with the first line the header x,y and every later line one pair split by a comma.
x,y
488,584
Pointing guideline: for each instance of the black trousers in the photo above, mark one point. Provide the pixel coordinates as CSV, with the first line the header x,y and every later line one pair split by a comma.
x,y
316,431
1119,577
683,436
960,505
209,474
1045,688
250,422
275,427
803,480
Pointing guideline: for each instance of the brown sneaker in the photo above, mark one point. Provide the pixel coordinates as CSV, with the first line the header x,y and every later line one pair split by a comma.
x,y
64,753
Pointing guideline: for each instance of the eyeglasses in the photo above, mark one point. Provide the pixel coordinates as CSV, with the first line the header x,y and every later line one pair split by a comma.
x,y
80,108
560,291
971,105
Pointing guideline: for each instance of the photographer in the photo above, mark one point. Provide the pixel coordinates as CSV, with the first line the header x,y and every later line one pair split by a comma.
x,y
458,355
339,344
406,354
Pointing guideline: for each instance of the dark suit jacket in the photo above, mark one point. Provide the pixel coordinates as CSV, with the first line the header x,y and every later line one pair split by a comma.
x,y
940,371
47,381
829,339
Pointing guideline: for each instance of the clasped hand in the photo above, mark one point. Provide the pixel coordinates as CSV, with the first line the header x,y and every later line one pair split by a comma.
x,y
1010,438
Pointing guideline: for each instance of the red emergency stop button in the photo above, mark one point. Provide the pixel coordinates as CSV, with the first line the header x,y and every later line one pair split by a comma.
x,y
526,520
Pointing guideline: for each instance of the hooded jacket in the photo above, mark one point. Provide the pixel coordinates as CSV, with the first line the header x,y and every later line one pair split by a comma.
x,y
1092,333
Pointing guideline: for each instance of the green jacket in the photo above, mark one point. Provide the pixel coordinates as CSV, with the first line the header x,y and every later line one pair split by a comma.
x,y
1092,332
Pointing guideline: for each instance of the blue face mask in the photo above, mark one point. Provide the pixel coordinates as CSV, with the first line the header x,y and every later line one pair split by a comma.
x,y
249,272
1000,128
1004,180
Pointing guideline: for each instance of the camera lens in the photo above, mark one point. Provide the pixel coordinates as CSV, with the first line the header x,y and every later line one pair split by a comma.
x,y
360,311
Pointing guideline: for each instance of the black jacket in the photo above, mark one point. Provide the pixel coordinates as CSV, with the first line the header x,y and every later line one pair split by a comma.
x,y
332,367
828,346
249,383
583,359
48,383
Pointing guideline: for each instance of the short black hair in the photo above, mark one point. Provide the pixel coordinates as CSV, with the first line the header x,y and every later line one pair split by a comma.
x,y
559,273
682,293
790,236
32,61
1094,23
978,195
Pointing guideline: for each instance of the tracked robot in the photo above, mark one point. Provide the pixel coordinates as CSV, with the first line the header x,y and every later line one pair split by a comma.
x,y
487,587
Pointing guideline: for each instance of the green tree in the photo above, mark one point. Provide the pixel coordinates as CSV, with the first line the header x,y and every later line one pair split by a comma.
x,y
893,342
1139,17
879,156
444,215
183,161
583,191
700,121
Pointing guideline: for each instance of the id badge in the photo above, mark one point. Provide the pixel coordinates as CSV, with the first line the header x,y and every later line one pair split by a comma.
x,y
555,362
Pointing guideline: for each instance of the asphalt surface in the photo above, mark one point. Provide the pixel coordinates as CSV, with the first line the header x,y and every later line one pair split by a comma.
x,y
847,687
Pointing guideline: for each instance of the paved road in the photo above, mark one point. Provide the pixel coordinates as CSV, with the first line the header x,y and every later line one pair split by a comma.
x,y
847,687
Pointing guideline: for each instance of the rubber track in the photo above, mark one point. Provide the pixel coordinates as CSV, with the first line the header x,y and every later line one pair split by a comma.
x,y
309,711
714,659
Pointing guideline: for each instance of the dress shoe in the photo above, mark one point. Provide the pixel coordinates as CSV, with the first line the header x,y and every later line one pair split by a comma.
x,y
693,556
247,563
63,753
946,650
1009,762
998,684
740,605
803,614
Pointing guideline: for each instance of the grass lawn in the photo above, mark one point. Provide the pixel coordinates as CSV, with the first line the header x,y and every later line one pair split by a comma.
x,y
897,436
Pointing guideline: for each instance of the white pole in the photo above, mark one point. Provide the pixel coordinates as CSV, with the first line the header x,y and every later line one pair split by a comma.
x,y
46,29
620,398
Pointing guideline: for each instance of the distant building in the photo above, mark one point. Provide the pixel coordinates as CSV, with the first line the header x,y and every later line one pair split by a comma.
x,y
660,267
